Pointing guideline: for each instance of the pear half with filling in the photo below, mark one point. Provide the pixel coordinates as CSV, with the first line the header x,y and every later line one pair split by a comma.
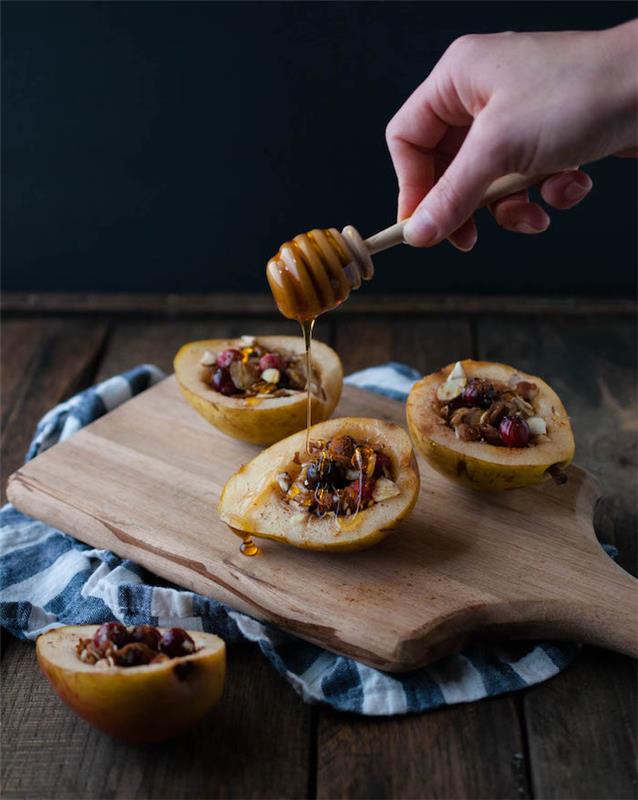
x,y
260,418
146,703
253,501
479,464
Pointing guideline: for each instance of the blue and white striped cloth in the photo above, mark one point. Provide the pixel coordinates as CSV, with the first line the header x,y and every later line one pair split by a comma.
x,y
49,579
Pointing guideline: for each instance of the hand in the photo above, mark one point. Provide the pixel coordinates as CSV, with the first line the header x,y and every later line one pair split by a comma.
x,y
535,103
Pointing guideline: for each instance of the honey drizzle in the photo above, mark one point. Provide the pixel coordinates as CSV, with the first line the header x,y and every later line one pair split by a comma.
x,y
307,328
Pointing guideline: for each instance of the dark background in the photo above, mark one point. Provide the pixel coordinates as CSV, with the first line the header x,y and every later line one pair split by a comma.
x,y
172,146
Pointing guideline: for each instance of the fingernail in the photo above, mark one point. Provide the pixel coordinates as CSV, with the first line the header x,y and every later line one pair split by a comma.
x,y
525,227
468,245
577,188
420,229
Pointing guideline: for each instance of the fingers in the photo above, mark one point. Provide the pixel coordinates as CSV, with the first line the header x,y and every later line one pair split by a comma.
x,y
465,237
458,193
566,189
517,213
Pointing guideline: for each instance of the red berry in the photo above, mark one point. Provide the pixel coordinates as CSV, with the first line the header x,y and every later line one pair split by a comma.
x,y
514,431
113,632
146,634
226,358
223,383
176,642
270,361
478,393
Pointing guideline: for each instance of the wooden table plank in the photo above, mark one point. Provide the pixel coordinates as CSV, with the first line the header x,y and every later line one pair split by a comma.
x,y
254,744
582,729
581,724
364,302
135,342
265,737
44,361
462,751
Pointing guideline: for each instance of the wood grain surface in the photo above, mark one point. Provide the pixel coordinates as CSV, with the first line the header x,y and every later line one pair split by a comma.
x,y
572,737
144,481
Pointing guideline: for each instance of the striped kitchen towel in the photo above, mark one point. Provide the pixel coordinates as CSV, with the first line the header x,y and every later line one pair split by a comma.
x,y
49,579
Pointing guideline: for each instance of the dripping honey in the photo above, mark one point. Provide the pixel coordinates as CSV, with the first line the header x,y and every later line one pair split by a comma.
x,y
311,274
247,546
307,327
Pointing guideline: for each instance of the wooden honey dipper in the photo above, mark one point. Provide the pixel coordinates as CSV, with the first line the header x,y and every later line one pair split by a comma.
x,y
317,270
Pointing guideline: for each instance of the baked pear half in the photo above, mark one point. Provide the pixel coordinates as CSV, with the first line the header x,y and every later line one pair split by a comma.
x,y
254,389
112,688
490,426
356,481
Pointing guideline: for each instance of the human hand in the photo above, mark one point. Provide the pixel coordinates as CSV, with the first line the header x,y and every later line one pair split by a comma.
x,y
535,103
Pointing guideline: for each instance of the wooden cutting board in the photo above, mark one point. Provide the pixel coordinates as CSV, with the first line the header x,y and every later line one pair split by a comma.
x,y
145,479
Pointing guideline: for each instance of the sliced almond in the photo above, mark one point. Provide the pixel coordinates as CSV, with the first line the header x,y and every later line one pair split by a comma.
x,y
208,359
384,489
457,372
451,389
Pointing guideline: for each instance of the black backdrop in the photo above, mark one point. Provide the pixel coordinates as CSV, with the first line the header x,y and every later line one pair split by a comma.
x,y
171,146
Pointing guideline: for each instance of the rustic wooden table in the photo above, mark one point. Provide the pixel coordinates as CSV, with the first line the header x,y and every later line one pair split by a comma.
x,y
572,737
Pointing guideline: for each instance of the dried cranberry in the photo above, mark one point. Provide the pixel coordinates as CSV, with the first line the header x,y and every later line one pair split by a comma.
x,y
478,393
514,431
223,383
113,632
270,361
134,654
176,642
226,358
146,634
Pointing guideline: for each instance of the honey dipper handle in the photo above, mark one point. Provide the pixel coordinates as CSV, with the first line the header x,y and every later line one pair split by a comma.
x,y
508,184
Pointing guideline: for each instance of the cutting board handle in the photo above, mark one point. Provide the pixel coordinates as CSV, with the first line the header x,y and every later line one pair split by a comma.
x,y
609,620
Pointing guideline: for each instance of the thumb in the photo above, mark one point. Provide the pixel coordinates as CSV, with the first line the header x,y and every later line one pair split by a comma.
x,y
459,191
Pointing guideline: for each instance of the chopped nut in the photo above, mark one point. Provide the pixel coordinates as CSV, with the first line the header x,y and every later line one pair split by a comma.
x,y
208,359
466,433
494,414
523,406
244,374
341,447
537,426
491,435
271,375
284,482
526,390
384,489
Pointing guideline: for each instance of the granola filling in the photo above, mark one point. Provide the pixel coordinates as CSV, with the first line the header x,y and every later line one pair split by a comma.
x,y
114,645
339,477
253,371
500,414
